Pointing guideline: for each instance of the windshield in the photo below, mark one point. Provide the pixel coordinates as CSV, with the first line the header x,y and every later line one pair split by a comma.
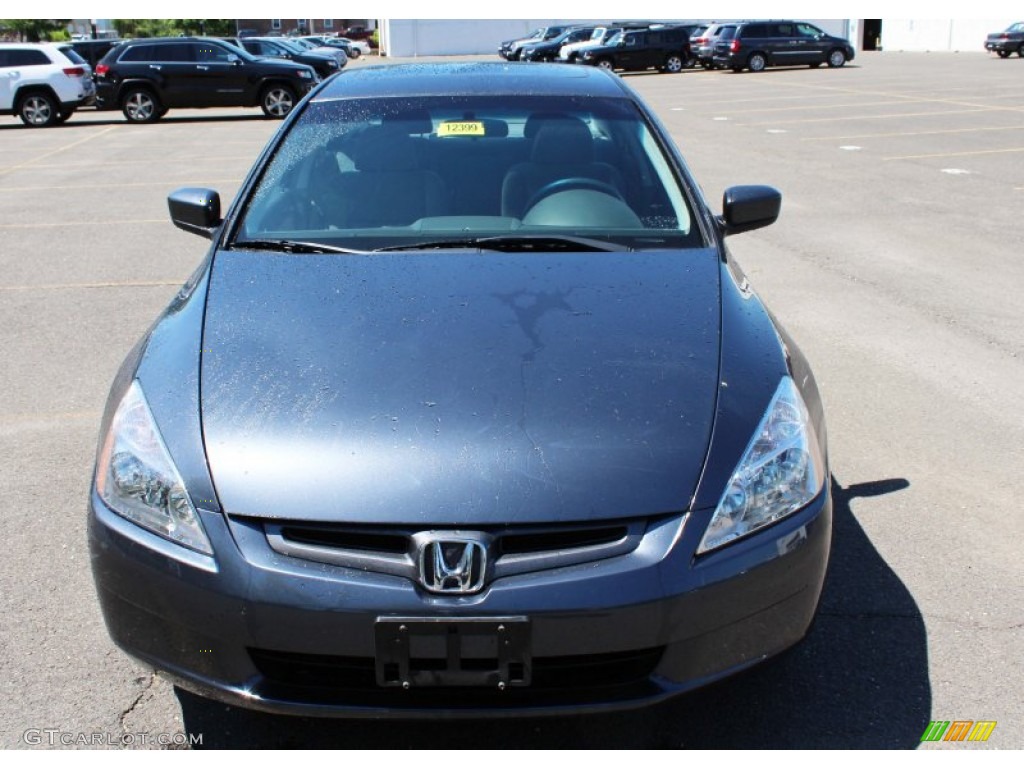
x,y
385,172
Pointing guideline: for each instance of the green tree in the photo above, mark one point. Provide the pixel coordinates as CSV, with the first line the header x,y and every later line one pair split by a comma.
x,y
34,30
213,27
173,27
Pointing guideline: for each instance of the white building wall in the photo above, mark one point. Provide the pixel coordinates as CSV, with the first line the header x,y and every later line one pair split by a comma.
x,y
939,34
448,37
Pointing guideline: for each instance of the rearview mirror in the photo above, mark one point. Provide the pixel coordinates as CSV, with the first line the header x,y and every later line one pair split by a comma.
x,y
749,207
195,210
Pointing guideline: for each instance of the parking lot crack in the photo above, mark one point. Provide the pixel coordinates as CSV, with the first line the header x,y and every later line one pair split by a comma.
x,y
147,684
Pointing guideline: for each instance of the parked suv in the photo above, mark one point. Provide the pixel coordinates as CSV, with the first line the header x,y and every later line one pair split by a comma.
x,y
281,48
702,43
43,83
146,77
666,48
755,45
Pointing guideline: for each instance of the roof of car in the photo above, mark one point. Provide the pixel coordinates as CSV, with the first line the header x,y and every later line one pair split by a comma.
x,y
16,44
182,39
472,78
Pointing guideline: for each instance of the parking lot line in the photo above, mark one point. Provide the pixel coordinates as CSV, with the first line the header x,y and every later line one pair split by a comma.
x,y
55,224
119,186
903,97
819,107
74,286
869,117
158,161
57,151
1009,150
897,134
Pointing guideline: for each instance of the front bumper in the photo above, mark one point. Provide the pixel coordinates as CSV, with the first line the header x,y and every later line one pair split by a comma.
x,y
258,629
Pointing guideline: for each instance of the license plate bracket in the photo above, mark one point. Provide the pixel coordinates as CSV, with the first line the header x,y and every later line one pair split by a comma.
x,y
414,652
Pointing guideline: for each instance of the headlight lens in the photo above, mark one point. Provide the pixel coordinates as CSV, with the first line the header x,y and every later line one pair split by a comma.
x,y
137,479
304,73
781,471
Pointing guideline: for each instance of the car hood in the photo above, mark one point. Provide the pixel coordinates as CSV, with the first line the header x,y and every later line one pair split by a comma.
x,y
459,387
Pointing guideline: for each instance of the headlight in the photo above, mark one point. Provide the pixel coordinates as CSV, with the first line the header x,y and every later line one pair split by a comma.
x,y
781,471
137,479
305,74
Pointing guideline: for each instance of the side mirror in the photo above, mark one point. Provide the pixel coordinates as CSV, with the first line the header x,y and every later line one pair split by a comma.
x,y
195,210
232,58
749,207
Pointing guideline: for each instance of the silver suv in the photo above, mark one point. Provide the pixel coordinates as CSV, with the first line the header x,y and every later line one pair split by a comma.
x,y
43,83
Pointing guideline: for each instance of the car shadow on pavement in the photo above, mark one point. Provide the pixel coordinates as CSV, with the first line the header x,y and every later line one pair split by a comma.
x,y
858,681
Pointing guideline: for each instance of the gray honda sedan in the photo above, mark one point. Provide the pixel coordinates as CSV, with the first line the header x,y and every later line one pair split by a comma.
x,y
467,411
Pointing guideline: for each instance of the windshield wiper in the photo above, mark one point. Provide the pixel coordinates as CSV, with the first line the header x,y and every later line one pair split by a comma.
x,y
515,244
289,246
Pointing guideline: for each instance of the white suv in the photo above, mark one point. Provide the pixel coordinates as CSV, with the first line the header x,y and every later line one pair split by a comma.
x,y
43,83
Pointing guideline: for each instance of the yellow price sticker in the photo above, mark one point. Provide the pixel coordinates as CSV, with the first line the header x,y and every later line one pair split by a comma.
x,y
461,128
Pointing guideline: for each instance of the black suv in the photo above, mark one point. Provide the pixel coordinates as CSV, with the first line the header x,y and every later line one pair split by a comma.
x,y
755,45
666,48
146,77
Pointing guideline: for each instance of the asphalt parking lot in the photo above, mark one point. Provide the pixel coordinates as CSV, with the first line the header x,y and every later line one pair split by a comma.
x,y
897,265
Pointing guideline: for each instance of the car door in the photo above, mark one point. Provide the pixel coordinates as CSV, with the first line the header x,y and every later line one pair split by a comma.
x,y
812,44
221,73
788,48
171,68
629,53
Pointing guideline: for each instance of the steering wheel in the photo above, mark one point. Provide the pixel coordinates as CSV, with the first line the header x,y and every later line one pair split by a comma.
x,y
575,182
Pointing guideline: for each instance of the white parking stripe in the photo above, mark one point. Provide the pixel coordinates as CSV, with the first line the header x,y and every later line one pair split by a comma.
x,y
958,154
119,186
913,133
82,224
76,286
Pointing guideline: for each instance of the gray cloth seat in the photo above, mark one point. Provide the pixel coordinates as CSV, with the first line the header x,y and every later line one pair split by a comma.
x,y
562,149
388,187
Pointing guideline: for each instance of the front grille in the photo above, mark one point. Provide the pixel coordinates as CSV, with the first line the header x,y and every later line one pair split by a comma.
x,y
395,550
342,538
549,541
